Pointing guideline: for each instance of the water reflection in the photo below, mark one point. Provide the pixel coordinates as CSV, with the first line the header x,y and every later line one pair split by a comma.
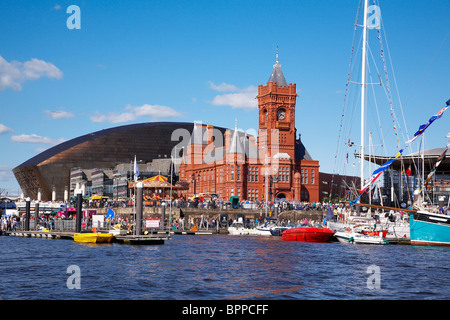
x,y
221,267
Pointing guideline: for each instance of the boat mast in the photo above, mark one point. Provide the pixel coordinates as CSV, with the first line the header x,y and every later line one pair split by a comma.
x,y
363,90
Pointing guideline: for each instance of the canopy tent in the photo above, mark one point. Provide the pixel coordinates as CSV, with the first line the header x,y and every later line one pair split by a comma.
x,y
157,178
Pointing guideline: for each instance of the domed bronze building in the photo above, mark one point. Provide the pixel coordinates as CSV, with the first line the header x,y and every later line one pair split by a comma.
x,y
49,171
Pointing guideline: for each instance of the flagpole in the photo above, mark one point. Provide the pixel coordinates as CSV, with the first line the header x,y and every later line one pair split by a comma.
x,y
136,176
172,169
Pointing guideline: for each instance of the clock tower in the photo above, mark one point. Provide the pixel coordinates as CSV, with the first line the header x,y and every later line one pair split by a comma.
x,y
276,103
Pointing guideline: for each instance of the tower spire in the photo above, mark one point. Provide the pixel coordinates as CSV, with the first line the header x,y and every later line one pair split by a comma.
x,y
277,54
277,75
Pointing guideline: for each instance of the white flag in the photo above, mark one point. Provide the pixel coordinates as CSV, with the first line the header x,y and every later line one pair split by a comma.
x,y
136,170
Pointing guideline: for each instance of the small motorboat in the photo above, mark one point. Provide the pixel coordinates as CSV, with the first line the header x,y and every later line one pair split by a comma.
x,y
238,228
278,231
350,236
264,229
307,234
93,237
104,237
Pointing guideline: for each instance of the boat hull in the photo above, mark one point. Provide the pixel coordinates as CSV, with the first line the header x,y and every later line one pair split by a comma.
x,y
105,237
93,237
358,238
263,231
278,232
429,229
85,237
307,234
238,231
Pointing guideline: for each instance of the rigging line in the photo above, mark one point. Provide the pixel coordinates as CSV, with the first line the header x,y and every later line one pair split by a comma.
x,y
387,90
396,85
381,132
352,109
427,68
390,103
387,85
348,80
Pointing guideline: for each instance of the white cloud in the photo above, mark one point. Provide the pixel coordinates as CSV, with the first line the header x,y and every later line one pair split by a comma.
x,y
113,117
154,111
59,114
223,87
13,74
34,138
4,129
133,113
239,98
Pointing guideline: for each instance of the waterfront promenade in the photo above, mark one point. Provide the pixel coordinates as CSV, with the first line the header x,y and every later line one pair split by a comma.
x,y
183,220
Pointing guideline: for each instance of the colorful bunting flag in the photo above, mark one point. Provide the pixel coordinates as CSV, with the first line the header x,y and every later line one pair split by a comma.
x,y
423,127
438,162
376,174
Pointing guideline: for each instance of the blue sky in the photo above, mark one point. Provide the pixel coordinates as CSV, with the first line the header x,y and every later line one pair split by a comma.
x,y
138,61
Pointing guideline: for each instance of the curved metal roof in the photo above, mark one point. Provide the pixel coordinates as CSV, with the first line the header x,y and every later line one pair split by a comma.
x,y
90,136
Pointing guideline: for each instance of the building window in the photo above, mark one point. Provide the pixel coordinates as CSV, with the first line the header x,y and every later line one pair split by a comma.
x,y
304,175
232,192
238,169
312,176
232,173
238,192
256,173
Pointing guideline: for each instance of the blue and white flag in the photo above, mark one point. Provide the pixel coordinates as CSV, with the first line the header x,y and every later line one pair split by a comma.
x,y
110,214
430,121
136,170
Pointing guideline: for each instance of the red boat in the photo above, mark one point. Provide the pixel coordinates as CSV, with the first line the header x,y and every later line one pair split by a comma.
x,y
307,234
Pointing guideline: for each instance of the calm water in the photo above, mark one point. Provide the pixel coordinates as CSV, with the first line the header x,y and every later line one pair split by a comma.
x,y
220,267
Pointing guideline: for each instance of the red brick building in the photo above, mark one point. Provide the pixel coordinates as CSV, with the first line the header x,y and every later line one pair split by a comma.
x,y
273,165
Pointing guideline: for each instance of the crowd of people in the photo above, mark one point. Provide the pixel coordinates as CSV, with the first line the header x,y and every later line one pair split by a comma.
x,y
206,203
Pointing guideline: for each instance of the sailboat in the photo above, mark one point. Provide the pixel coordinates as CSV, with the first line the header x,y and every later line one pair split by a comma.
x,y
429,228
368,232
436,229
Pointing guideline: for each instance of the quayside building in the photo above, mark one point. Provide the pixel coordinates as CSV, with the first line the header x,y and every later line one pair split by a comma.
x,y
273,165
215,160
49,172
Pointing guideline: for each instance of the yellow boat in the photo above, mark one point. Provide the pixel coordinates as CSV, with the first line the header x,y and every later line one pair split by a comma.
x,y
104,237
93,237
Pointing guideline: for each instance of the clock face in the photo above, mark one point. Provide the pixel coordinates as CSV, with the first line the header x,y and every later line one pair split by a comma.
x,y
281,115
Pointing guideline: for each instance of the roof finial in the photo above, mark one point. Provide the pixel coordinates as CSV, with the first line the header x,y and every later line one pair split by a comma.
x,y
277,53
